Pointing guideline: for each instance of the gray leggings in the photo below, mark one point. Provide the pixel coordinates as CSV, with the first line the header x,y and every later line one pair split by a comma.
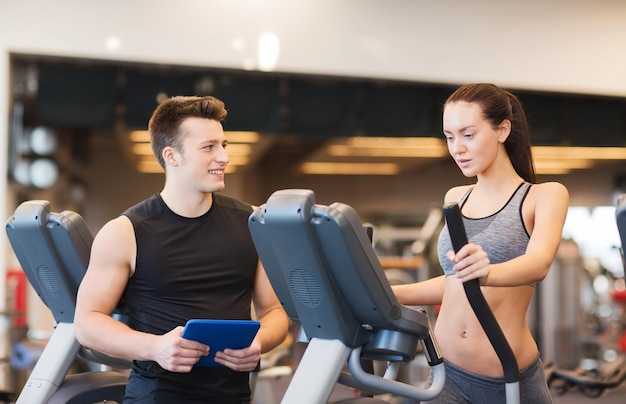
x,y
471,388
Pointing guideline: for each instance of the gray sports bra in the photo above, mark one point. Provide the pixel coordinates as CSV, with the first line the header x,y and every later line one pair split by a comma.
x,y
502,235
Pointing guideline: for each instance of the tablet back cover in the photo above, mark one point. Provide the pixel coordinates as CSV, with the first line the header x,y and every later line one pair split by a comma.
x,y
219,335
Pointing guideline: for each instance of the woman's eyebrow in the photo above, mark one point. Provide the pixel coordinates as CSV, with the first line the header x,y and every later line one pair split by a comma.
x,y
460,129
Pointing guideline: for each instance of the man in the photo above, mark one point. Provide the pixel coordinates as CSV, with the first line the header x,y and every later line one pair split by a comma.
x,y
183,253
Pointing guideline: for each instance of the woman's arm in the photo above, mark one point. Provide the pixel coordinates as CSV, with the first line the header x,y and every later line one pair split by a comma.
x,y
550,210
425,293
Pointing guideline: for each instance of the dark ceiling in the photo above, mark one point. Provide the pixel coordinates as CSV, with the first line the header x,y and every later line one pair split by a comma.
x,y
304,111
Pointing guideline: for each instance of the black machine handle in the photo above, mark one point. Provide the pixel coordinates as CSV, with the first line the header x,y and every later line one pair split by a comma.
x,y
481,308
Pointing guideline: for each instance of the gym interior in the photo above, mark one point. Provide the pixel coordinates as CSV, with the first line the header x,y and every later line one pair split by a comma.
x,y
343,99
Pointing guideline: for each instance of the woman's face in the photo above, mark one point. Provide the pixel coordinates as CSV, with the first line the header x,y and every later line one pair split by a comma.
x,y
472,142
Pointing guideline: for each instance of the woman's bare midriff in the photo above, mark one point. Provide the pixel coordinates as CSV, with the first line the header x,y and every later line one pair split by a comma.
x,y
462,340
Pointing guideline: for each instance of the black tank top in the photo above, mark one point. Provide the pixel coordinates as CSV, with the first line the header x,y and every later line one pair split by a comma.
x,y
187,268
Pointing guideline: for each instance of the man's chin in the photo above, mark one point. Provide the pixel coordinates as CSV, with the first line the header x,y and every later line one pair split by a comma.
x,y
217,187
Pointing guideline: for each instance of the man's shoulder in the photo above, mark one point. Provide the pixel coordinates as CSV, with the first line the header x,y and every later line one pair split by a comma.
x,y
231,203
146,208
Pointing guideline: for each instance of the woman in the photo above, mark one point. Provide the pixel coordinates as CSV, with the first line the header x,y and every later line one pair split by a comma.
x,y
514,228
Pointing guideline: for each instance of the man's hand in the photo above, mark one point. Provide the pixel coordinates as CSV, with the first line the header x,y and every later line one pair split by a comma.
x,y
243,360
178,354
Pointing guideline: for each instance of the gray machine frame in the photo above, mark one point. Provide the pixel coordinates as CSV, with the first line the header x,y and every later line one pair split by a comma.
x,y
328,278
620,219
53,250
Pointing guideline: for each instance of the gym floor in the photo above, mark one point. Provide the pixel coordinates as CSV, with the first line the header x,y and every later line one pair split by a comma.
x,y
418,372
612,396
573,396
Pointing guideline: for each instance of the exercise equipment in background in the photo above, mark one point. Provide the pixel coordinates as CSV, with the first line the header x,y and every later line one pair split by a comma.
x,y
53,250
595,381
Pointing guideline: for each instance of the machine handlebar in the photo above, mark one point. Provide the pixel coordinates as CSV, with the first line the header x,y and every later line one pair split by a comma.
x,y
481,308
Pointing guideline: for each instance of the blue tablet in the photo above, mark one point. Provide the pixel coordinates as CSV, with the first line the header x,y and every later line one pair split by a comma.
x,y
219,335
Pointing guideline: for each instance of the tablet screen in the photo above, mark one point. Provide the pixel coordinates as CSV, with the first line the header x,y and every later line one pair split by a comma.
x,y
219,335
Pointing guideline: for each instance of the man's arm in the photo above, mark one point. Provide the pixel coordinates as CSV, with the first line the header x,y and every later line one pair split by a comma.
x,y
274,327
274,321
112,256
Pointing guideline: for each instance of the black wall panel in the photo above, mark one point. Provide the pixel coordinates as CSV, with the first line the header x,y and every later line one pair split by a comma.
x,y
321,108
395,110
142,91
76,97
253,103
97,95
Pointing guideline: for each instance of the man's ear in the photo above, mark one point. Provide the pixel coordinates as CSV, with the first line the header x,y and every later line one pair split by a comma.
x,y
170,156
505,130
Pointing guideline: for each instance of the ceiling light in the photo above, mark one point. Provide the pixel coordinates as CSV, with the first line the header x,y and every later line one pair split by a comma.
x,y
41,172
112,43
238,160
552,171
562,159
238,149
556,166
390,142
238,44
242,137
149,166
139,136
43,140
269,51
348,151
592,153
350,168
358,146
568,164
143,149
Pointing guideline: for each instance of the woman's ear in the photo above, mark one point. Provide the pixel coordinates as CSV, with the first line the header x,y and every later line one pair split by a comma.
x,y
505,130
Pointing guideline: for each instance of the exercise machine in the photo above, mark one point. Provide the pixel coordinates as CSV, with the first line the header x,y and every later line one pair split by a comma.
x,y
593,382
53,250
323,268
327,276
